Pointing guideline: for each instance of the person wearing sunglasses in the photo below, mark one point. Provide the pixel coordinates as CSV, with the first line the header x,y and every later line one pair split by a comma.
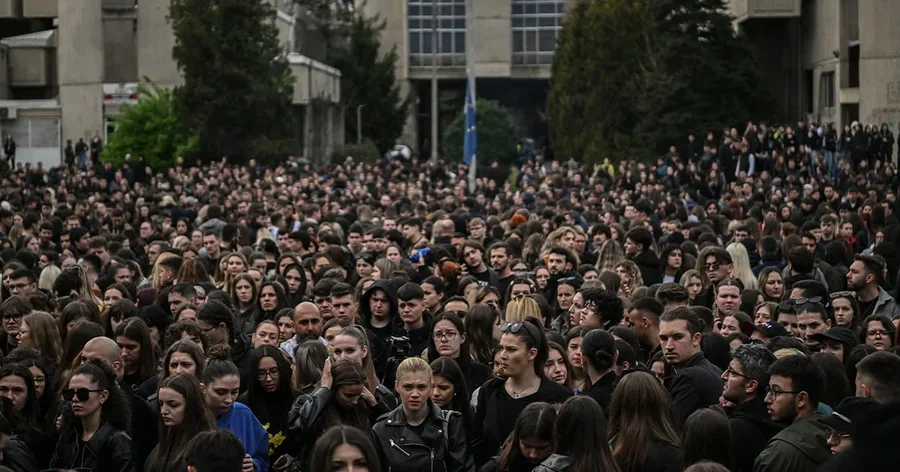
x,y
523,354
745,381
715,262
100,413
796,384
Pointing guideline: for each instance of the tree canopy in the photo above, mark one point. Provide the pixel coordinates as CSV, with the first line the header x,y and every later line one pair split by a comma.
x,y
496,134
632,77
236,95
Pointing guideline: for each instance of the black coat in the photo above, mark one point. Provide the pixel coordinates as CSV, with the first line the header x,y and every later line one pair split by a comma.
x,y
18,457
402,450
109,450
696,384
602,391
751,430
649,265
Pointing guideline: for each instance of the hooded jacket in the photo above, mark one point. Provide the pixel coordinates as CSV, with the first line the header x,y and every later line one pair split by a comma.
x,y
696,384
554,463
751,430
801,447
379,338
649,265
441,447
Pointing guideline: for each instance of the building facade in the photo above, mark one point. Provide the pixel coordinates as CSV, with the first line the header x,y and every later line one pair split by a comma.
x,y
515,41
68,66
828,60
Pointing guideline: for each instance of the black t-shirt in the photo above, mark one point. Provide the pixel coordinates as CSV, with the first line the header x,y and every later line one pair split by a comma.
x,y
865,308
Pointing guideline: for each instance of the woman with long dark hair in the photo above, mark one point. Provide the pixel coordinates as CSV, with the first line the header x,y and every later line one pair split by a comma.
x,y
80,335
482,323
642,427
707,437
582,444
449,340
182,415
99,410
353,343
449,390
558,368
244,292
138,353
530,442
309,360
221,384
271,299
295,291
345,448
524,352
672,263
270,397
184,356
18,381
338,401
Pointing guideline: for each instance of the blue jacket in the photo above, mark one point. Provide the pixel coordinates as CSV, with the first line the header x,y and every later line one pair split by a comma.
x,y
240,421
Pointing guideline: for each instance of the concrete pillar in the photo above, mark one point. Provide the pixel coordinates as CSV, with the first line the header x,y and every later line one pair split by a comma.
x,y
154,44
4,72
493,34
879,62
81,66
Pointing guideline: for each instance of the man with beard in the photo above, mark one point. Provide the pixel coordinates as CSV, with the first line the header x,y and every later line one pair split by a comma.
x,y
499,254
863,278
745,381
796,384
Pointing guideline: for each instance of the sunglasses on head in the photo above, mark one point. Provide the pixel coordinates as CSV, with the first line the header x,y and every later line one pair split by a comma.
x,y
515,328
844,294
82,394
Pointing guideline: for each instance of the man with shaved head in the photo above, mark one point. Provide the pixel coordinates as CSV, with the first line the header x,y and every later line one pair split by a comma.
x,y
143,417
307,325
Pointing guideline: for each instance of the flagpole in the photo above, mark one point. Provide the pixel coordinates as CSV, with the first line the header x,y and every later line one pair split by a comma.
x,y
470,79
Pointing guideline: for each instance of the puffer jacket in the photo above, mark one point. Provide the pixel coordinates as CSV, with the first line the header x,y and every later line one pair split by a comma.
x,y
554,463
443,446
109,450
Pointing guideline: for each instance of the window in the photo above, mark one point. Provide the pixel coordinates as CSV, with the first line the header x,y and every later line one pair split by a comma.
x,y
449,44
536,26
826,90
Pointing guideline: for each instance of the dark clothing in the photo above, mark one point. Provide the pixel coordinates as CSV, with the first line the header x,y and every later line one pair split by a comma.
x,y
663,457
696,384
404,344
554,463
801,447
503,284
379,338
602,390
18,457
240,355
767,261
649,265
436,445
497,413
751,430
488,276
108,450
144,430
873,443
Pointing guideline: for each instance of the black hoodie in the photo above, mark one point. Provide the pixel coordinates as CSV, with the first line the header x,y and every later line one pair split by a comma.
x,y
874,437
379,338
648,263
751,430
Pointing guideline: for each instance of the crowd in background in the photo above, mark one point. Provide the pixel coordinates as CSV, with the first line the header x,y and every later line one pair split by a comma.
x,y
729,307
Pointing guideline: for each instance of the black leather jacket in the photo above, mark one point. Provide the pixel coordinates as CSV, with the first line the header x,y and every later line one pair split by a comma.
x,y
109,450
402,450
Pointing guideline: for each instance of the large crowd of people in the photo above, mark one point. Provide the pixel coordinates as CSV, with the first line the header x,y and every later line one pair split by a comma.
x,y
730,307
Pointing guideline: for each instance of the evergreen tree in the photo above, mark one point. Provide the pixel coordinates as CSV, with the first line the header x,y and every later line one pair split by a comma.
x,y
632,77
370,80
237,83
496,134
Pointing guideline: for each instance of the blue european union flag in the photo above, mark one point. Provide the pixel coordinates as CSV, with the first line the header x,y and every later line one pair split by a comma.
x,y
470,144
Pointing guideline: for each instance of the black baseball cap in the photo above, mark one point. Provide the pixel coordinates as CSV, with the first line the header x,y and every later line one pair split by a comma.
x,y
841,334
850,410
772,329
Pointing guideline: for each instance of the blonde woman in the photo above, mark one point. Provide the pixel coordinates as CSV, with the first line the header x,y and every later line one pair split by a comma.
x,y
742,270
520,308
564,237
48,277
156,274
610,255
631,278
235,264
693,281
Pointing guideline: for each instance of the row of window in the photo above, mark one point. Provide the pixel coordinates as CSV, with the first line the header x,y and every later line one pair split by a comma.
x,y
536,25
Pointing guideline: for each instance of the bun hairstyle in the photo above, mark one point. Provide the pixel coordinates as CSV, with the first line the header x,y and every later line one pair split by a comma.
x,y
219,364
599,348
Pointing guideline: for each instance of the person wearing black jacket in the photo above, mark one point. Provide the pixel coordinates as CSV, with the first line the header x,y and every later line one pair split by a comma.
x,y
449,340
217,321
378,309
638,248
745,381
418,435
697,382
411,333
598,349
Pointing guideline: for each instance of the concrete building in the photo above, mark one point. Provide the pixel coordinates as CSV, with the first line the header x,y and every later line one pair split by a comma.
x,y
828,60
515,41
67,67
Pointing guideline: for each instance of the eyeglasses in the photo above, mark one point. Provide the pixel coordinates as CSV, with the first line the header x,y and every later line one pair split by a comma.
x,y
711,267
82,394
844,294
733,373
877,333
13,317
837,437
261,375
448,335
775,393
786,307
804,301
514,328
207,330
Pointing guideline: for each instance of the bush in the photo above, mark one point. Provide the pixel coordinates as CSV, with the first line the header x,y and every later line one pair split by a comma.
x,y
366,152
496,134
